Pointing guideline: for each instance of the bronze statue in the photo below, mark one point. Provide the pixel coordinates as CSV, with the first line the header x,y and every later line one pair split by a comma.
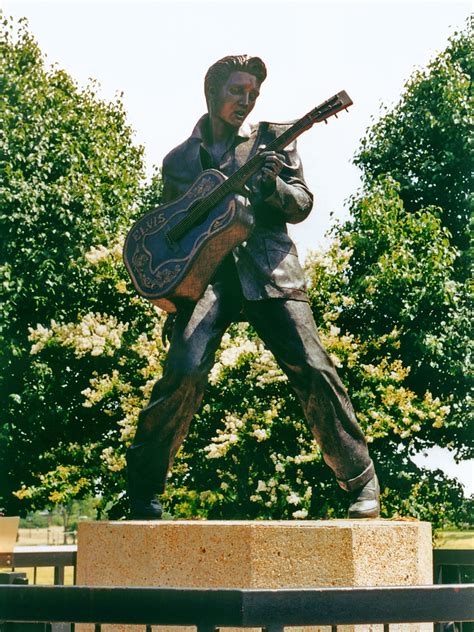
x,y
260,281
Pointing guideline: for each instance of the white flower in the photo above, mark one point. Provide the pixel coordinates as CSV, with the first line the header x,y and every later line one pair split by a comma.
x,y
303,458
450,286
279,467
231,355
260,434
215,373
293,498
114,462
301,514
95,334
262,486
40,336
97,255
215,451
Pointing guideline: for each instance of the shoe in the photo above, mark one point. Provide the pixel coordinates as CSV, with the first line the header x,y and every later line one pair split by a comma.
x,y
150,509
365,501
141,495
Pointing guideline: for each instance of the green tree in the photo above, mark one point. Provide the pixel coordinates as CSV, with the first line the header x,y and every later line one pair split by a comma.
x,y
424,141
423,145
387,303
401,275
249,453
71,178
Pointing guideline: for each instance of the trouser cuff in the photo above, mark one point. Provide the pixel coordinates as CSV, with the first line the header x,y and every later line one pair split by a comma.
x,y
146,477
356,483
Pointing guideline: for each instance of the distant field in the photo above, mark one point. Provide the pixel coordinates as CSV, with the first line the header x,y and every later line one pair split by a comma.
x,y
42,537
455,540
52,535
45,576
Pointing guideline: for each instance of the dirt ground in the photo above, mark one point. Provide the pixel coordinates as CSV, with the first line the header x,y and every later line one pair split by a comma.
x,y
51,536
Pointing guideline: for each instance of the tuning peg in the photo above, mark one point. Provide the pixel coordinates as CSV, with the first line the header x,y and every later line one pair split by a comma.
x,y
326,121
346,109
335,115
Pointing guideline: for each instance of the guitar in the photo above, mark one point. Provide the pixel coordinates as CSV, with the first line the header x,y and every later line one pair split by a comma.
x,y
172,252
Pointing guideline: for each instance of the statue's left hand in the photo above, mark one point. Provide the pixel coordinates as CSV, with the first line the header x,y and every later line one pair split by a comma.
x,y
271,169
274,163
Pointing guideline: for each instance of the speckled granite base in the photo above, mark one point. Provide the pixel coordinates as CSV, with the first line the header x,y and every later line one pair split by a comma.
x,y
258,554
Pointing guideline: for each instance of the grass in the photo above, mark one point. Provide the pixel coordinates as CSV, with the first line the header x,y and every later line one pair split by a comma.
x,y
43,537
45,575
454,540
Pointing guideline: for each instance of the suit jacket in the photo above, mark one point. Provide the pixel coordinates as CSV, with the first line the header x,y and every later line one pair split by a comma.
x,y
267,263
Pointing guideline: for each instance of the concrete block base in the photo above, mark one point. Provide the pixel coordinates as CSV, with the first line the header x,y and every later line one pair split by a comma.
x,y
256,554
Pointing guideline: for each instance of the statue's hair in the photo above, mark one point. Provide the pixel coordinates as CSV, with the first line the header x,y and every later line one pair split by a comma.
x,y
219,72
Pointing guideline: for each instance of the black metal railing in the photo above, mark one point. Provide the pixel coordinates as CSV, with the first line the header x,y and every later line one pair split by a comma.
x,y
453,566
208,609
58,557
449,567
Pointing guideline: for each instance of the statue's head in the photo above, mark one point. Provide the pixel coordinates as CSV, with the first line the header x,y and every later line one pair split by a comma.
x,y
231,75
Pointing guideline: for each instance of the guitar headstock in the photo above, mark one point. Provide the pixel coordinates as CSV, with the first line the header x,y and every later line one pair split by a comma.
x,y
331,107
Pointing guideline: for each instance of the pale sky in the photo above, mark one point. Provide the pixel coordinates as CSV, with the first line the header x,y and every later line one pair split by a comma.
x,y
157,52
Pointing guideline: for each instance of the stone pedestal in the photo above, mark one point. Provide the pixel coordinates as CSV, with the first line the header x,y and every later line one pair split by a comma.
x,y
257,554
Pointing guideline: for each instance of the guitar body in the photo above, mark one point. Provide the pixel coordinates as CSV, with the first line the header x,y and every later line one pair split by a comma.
x,y
168,271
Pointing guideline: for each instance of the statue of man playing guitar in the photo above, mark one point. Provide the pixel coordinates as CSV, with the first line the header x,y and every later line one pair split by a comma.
x,y
261,281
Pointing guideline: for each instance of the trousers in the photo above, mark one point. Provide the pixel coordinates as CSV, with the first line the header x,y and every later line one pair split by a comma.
x,y
287,328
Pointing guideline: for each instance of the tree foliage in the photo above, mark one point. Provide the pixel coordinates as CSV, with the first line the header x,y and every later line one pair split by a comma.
x,y
401,275
424,141
71,176
249,453
83,351
423,144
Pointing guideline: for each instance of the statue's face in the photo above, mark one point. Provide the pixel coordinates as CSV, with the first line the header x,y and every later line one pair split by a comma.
x,y
237,98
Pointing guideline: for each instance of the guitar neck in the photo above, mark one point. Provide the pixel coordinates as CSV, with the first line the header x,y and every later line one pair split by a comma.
x,y
236,182
322,112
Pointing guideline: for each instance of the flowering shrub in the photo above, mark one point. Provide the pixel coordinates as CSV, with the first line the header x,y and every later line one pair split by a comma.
x,y
96,334
380,293
249,453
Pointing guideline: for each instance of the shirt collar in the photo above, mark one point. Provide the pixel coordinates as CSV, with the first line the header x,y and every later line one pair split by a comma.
x,y
199,131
